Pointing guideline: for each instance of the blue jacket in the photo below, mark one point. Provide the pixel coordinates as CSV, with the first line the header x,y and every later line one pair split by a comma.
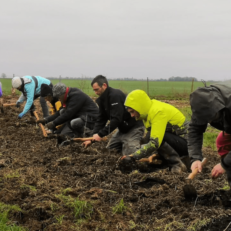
x,y
30,91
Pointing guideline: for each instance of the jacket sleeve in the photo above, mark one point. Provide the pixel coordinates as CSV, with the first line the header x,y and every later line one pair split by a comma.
x,y
74,106
52,117
116,113
195,141
158,127
29,88
21,98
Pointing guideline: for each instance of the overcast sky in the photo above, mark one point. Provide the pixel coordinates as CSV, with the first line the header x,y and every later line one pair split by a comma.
x,y
116,38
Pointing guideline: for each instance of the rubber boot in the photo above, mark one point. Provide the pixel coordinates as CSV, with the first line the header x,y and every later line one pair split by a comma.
x,y
174,161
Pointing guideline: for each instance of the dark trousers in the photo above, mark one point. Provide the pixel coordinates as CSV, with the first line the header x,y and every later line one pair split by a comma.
x,y
43,105
178,143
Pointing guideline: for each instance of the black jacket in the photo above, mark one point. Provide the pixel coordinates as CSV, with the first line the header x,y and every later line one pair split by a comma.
x,y
111,107
205,103
78,105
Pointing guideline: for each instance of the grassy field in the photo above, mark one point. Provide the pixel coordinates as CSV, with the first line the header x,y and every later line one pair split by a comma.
x,y
177,90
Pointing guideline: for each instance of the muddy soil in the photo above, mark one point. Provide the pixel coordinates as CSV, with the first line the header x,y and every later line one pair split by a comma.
x,y
43,180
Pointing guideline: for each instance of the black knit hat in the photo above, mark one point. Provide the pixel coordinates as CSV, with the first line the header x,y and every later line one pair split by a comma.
x,y
46,90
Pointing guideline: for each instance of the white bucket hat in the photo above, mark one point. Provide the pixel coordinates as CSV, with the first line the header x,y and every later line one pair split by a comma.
x,y
16,82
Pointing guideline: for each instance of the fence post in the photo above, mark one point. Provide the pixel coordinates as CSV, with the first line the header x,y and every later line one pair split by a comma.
x,y
13,89
60,78
192,85
147,87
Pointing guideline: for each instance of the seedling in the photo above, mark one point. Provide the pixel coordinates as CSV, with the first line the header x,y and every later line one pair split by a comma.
x,y
11,175
65,191
82,209
132,224
175,225
60,219
4,222
226,187
198,224
119,208
31,188
54,207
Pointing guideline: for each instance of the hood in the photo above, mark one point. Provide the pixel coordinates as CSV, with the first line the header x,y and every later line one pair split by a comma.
x,y
205,103
139,101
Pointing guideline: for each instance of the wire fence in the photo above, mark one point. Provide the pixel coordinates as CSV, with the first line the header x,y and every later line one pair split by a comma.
x,y
158,89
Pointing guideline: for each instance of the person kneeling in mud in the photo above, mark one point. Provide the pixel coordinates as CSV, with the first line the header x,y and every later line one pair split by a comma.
x,y
211,105
78,112
167,126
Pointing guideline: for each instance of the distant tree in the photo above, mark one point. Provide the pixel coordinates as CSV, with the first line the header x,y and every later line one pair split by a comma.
x,y
178,78
3,75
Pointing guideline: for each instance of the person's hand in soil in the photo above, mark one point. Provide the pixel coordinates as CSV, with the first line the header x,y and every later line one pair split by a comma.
x,y
17,104
127,164
96,137
217,171
50,125
196,164
86,143
21,115
41,121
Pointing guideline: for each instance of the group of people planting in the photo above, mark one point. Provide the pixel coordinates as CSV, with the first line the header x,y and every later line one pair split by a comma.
x,y
169,135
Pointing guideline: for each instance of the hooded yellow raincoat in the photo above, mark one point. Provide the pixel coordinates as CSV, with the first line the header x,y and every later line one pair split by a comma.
x,y
156,116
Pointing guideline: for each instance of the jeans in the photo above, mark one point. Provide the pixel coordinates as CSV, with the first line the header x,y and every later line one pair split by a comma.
x,y
127,143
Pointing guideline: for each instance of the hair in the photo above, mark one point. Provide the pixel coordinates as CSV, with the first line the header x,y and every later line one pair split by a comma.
x,y
100,79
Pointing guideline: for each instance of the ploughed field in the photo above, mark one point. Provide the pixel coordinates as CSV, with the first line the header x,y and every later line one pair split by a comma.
x,y
72,188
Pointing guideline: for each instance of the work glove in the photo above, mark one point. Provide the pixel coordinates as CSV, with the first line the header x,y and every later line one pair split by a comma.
x,y
50,125
21,115
17,104
127,164
42,121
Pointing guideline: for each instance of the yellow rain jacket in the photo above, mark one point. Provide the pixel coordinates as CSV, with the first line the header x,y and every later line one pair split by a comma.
x,y
157,116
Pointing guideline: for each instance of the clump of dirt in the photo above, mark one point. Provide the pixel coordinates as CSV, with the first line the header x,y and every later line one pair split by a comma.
x,y
72,188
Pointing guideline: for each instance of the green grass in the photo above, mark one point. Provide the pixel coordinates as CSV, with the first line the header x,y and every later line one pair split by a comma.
x,y
120,207
5,223
225,187
187,112
31,188
167,89
82,209
209,138
198,224
12,175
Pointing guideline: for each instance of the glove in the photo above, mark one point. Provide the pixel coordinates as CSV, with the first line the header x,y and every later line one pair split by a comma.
x,y
50,125
17,104
127,164
42,121
21,115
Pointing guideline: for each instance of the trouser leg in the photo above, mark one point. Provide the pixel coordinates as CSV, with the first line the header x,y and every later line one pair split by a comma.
x,y
44,107
172,157
115,142
179,144
77,125
131,140
82,128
